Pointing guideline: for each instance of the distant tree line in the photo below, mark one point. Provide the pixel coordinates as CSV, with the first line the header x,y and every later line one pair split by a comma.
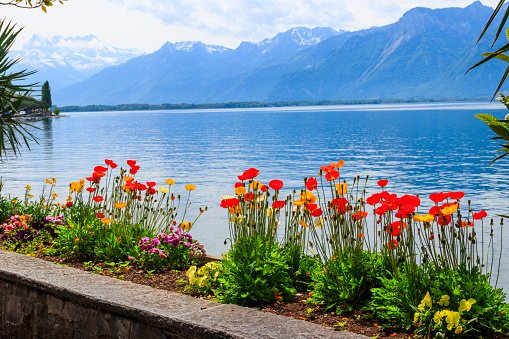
x,y
255,104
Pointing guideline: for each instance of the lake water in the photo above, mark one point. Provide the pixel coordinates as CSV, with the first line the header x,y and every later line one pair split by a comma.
x,y
419,148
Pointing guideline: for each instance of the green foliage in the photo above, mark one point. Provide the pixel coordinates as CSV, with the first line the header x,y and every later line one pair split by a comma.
x,y
255,271
56,111
439,312
46,95
345,284
91,240
500,127
392,302
6,208
13,133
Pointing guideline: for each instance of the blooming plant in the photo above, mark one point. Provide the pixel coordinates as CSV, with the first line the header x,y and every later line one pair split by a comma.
x,y
204,281
175,250
22,234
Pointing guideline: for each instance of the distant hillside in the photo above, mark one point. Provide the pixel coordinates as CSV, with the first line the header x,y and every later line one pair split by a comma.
x,y
424,54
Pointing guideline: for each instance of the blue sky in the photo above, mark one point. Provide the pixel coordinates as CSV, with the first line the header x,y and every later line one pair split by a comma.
x,y
147,24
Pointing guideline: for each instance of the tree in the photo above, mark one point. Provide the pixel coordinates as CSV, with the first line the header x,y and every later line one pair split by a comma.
x,y
13,132
43,4
46,96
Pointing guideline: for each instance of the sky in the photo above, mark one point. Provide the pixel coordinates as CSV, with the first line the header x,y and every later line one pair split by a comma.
x,y
148,24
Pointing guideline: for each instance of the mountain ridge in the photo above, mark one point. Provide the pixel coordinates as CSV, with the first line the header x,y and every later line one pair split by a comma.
x,y
420,55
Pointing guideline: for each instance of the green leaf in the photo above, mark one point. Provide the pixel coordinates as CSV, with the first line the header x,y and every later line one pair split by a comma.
x,y
500,129
487,118
495,12
502,57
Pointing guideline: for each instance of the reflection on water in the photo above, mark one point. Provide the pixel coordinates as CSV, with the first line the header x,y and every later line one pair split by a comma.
x,y
419,148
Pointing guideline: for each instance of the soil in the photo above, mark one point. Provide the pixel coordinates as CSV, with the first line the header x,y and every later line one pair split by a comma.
x,y
176,281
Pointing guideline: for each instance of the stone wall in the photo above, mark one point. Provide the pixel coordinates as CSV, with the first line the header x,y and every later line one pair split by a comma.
x,y
42,300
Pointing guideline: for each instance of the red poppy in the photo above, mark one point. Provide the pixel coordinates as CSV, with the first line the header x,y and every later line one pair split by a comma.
x,y
338,202
317,212
227,203
249,174
98,198
392,244
276,185
444,220
151,191
409,200
264,188
327,168
342,209
278,204
91,189
467,223
239,184
395,231
456,195
151,183
332,175
361,235
100,169
131,163
435,211
140,187
359,215
110,163
99,215
374,199
249,196
382,183
438,197
311,184
130,185
311,207
382,209
480,215
68,204
134,169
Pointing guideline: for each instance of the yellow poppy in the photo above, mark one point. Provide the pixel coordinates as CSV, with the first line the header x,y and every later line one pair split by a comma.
x,y
186,226
163,189
190,187
306,197
170,182
106,220
341,188
423,217
449,209
235,210
128,179
303,224
28,187
120,205
256,185
240,190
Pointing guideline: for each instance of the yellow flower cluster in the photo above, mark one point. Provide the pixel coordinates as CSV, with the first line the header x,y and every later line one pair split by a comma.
x,y
201,277
77,186
451,318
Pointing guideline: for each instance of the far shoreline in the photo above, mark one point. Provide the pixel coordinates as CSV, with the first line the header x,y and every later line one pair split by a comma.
x,y
259,104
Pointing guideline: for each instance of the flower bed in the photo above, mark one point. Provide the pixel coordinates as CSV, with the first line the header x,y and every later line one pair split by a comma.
x,y
421,273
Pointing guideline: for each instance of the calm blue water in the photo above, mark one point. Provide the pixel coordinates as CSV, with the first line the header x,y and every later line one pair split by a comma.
x,y
419,148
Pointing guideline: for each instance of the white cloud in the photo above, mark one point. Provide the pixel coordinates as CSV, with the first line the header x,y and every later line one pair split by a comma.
x,y
147,24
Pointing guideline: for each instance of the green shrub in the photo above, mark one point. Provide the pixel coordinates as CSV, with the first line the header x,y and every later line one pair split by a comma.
x,y
255,271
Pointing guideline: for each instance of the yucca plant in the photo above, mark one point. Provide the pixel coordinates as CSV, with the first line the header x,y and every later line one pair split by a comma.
x,y
13,133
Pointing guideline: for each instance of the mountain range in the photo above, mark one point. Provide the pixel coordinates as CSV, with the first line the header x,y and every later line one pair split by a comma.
x,y
424,54
64,61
